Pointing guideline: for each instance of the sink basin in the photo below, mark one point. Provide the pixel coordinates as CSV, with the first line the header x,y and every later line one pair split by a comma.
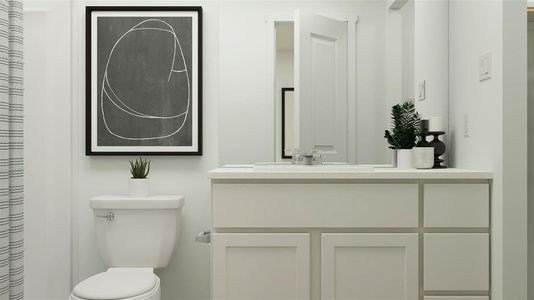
x,y
288,167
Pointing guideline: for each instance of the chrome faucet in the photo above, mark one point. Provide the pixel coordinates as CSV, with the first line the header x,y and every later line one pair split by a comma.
x,y
306,158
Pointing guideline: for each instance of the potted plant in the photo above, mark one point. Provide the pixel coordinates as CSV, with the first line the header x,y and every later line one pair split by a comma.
x,y
404,132
138,186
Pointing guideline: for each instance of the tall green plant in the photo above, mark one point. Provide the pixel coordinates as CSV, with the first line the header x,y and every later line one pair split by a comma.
x,y
140,168
405,126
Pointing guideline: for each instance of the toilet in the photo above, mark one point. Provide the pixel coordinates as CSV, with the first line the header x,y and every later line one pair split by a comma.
x,y
134,237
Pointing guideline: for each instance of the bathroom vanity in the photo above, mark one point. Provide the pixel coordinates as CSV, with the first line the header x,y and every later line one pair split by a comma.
x,y
378,234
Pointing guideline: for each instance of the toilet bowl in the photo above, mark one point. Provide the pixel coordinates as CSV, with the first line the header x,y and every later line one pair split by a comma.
x,y
119,283
134,236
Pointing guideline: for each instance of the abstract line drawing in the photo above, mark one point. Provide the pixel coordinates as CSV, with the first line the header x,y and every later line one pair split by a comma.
x,y
143,80
108,93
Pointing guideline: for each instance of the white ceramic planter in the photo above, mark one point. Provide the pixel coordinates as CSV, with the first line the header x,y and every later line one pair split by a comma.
x,y
423,157
404,159
393,157
138,187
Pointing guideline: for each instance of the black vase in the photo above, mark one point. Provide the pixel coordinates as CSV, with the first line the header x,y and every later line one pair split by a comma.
x,y
439,148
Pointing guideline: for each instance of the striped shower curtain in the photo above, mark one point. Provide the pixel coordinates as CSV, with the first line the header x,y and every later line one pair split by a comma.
x,y
11,151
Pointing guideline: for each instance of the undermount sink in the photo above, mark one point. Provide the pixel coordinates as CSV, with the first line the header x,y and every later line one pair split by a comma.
x,y
288,167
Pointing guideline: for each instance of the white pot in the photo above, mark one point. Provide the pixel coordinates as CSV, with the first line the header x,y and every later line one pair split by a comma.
x,y
423,157
138,187
404,159
393,157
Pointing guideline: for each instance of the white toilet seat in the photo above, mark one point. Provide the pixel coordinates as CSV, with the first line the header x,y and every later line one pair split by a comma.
x,y
119,283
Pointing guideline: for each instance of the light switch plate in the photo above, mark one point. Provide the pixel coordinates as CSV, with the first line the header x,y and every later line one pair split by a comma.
x,y
485,66
466,125
422,90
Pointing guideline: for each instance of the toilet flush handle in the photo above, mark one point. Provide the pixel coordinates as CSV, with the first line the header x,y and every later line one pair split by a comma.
x,y
204,237
109,216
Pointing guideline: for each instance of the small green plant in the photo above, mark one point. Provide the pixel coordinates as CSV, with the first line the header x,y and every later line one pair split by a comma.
x,y
405,126
140,168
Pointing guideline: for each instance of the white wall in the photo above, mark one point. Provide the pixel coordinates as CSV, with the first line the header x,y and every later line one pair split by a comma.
x,y
47,149
432,58
497,122
394,71
408,55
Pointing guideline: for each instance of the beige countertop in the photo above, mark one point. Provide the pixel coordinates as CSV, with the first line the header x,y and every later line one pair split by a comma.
x,y
249,172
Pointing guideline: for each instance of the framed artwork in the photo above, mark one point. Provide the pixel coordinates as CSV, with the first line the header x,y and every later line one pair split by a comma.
x,y
143,80
288,126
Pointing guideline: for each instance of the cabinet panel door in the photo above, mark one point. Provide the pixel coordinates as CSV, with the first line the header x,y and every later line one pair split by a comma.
x,y
456,205
370,266
456,262
261,266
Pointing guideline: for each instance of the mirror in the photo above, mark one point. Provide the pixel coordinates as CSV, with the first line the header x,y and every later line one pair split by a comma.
x,y
348,62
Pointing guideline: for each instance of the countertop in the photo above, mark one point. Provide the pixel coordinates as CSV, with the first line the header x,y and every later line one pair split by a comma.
x,y
248,172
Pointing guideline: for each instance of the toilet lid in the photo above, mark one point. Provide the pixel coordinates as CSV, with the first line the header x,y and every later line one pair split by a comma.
x,y
115,284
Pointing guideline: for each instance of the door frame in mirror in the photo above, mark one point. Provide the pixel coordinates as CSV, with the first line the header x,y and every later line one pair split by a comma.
x,y
283,119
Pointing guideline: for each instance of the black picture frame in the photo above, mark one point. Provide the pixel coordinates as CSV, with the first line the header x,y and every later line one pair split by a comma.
x,y
89,85
284,90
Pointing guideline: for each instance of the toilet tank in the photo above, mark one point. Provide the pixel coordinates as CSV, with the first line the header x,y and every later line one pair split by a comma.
x,y
137,232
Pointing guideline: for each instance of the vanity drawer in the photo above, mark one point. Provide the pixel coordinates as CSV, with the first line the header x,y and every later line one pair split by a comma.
x,y
319,205
456,205
456,262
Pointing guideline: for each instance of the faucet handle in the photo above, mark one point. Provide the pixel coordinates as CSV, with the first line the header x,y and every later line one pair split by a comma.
x,y
312,157
296,156
317,157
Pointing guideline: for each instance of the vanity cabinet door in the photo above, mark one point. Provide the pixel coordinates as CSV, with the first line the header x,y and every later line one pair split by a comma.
x,y
370,266
456,262
261,266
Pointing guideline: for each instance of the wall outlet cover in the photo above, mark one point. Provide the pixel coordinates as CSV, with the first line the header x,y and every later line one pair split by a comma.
x,y
421,90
